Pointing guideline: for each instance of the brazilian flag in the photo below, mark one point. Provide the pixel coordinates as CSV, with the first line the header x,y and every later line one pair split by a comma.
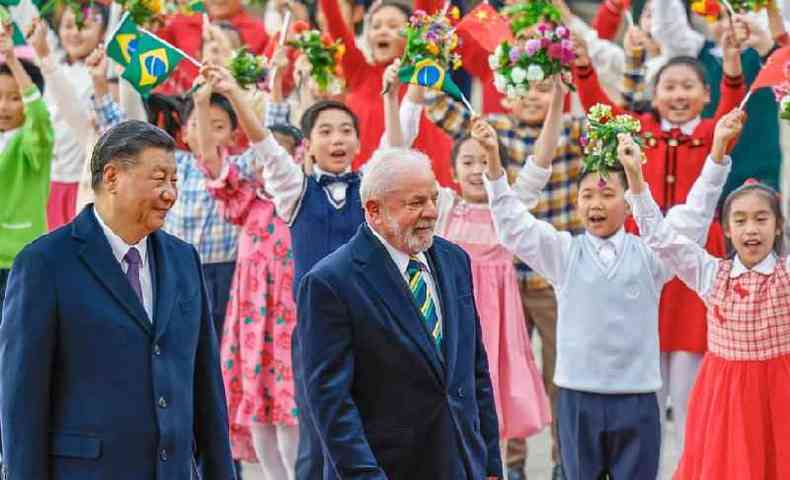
x,y
428,73
153,61
123,42
196,6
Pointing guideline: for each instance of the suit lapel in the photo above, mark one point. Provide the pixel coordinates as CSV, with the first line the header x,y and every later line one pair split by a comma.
x,y
165,294
97,255
444,287
385,280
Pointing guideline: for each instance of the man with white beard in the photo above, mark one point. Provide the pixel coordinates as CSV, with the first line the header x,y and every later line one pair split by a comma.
x,y
391,353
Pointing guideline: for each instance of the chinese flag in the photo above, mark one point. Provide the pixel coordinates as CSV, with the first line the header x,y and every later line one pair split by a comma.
x,y
481,31
774,72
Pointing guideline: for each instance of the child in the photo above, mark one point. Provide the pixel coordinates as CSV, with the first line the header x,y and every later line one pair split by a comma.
x,y
521,401
517,130
322,209
69,93
363,76
26,140
608,285
261,315
677,140
737,424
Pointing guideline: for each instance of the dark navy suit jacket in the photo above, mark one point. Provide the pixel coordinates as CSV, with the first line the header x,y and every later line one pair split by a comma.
x,y
90,389
386,404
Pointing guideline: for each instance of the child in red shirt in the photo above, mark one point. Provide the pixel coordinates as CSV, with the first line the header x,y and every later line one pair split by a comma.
x,y
364,74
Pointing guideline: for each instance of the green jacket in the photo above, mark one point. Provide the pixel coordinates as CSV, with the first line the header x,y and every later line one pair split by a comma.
x,y
25,166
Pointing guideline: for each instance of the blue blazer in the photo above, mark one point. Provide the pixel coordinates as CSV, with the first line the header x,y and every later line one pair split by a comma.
x,y
386,405
90,389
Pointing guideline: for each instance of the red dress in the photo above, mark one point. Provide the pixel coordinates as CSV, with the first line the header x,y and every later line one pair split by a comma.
x,y
674,161
738,427
186,33
363,83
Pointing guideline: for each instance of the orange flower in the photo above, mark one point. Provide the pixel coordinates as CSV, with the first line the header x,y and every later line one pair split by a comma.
x,y
299,27
326,39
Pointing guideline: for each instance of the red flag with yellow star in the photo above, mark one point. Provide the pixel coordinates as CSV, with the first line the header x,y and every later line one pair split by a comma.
x,y
481,31
775,71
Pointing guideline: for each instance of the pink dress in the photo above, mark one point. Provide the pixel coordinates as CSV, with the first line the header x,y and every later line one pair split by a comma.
x,y
521,401
256,343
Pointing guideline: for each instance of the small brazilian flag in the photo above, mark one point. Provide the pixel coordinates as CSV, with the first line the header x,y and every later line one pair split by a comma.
x,y
153,61
123,42
428,73
196,6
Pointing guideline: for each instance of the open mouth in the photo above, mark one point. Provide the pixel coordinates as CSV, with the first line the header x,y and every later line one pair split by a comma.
x,y
383,44
679,108
752,243
337,154
596,220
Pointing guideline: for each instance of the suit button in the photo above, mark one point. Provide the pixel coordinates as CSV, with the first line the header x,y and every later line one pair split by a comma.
x,y
157,350
162,402
163,455
460,392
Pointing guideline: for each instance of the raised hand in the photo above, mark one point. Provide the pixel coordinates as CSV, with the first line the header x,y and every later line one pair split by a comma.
x,y
485,134
38,38
580,49
749,33
727,130
390,80
635,41
222,80
629,153
7,42
97,67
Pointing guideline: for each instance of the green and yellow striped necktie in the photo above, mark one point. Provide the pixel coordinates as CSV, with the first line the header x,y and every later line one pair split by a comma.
x,y
425,302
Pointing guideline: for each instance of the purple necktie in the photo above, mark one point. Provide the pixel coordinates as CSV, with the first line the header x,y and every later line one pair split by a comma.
x,y
132,257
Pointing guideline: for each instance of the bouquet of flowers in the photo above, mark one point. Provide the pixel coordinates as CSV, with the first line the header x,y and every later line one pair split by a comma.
x,y
784,108
600,143
248,68
743,6
549,51
526,14
324,55
81,10
710,9
143,12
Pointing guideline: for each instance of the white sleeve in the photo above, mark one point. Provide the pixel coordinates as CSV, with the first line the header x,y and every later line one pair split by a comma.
x,y
535,242
62,91
671,29
130,101
693,218
607,57
409,114
690,262
284,179
530,181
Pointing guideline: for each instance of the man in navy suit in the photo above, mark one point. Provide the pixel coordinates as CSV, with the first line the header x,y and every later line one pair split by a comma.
x,y
110,366
389,345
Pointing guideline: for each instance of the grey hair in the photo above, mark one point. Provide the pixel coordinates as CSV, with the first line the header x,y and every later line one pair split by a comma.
x,y
386,167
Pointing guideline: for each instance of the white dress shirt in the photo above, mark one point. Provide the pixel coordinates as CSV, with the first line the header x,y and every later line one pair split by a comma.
x,y
687,128
608,248
119,249
402,262
545,249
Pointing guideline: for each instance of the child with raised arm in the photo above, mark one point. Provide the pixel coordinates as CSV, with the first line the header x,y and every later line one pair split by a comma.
x,y
608,285
26,143
741,395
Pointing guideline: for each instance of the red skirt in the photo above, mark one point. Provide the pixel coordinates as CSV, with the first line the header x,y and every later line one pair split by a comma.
x,y
62,204
738,425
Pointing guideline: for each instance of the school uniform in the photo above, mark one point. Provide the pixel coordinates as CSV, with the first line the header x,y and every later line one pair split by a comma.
x,y
608,292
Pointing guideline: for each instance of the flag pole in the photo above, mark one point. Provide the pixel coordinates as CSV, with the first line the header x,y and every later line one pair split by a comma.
x,y
283,35
745,99
186,56
468,105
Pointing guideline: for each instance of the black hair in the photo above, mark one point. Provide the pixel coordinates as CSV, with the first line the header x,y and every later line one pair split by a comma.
x,y
217,100
310,116
764,191
685,61
617,171
404,9
165,112
504,157
32,71
289,130
123,144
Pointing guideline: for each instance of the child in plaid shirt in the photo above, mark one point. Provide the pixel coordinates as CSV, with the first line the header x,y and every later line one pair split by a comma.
x,y
517,131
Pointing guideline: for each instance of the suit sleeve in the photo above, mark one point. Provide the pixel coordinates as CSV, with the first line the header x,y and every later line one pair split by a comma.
x,y
325,336
211,417
27,345
484,392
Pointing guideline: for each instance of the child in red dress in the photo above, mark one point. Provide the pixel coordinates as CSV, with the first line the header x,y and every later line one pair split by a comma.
x,y
737,425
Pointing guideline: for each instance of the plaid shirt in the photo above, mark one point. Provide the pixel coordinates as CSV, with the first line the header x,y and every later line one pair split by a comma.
x,y
557,203
195,217
633,88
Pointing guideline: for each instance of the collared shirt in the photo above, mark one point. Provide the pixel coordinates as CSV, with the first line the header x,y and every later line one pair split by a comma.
x,y
119,250
685,257
608,248
402,262
687,128
6,136
336,191
196,217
